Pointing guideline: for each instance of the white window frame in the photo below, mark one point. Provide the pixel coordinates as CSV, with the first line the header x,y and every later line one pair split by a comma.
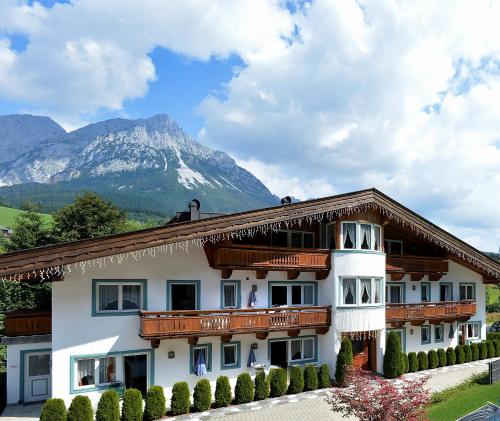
x,y
472,323
302,340
358,236
96,359
359,294
289,293
120,296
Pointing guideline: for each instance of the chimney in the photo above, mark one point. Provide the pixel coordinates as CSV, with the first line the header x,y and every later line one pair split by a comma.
x,y
194,209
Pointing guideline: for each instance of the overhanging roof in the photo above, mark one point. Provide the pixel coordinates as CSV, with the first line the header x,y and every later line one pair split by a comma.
x,y
209,229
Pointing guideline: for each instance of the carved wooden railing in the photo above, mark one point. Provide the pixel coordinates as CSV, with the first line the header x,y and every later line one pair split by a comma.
x,y
418,264
166,324
441,310
265,257
24,323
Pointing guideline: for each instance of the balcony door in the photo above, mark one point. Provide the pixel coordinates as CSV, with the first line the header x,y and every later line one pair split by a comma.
x,y
394,293
279,353
183,295
136,372
446,292
37,377
298,294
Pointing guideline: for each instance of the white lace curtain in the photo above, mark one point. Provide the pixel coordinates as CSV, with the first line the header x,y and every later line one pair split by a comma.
x,y
108,297
349,291
86,370
366,236
349,235
131,297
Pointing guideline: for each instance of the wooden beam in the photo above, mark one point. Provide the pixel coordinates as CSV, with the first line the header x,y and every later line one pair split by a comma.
x,y
397,276
193,340
292,274
261,335
436,321
322,330
417,322
155,343
226,338
261,274
397,325
294,332
433,277
463,318
226,273
415,277
321,274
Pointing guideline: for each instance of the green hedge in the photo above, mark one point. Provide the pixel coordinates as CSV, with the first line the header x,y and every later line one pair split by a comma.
x,y
132,405
155,404
497,347
483,350
423,362
491,349
441,357
202,395
413,362
468,353
493,335
432,357
406,363
222,392
54,410
243,391
324,376
450,356
80,409
261,386
310,378
296,384
180,402
460,354
344,360
108,408
277,382
393,357
475,351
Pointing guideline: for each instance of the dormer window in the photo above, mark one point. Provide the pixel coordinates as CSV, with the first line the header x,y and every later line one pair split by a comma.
x,y
361,236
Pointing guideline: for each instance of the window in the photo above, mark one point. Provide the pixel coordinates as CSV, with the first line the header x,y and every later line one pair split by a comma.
x,y
296,350
349,291
293,294
183,295
446,291
394,293
87,367
377,237
328,236
426,335
86,372
196,358
360,291
467,292
425,292
230,355
366,236
438,333
114,297
230,294
295,239
378,291
362,236
349,235
473,330
393,247
366,291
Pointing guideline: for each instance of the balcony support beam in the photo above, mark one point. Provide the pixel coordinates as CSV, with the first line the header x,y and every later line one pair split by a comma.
x,y
261,336
415,277
292,274
293,333
261,274
417,322
322,274
436,321
226,338
322,330
397,325
397,276
434,277
193,340
155,343
226,273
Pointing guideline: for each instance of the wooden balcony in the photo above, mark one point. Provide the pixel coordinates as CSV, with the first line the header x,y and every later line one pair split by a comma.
x,y
23,323
435,312
416,266
265,258
260,321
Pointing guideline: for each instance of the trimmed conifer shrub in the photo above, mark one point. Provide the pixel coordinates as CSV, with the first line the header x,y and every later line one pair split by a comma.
x,y
132,405
423,362
413,362
393,357
155,407
441,357
450,356
54,409
406,363
310,378
277,382
432,357
202,395
344,360
222,392
80,409
475,351
243,391
483,350
324,376
261,386
497,347
467,353
108,408
459,354
491,349
296,384
180,402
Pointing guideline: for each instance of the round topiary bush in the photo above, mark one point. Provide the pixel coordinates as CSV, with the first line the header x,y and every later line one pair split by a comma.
x,y
432,356
310,378
450,356
54,410
277,382
413,362
202,395
222,392
344,361
80,409
497,347
406,363
108,408
155,407
393,357
243,391
423,362
491,349
132,405
296,384
459,354
483,350
324,376
467,353
441,357
475,351
261,386
180,403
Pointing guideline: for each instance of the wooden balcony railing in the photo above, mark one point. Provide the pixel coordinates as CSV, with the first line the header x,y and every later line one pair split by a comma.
x,y
418,264
19,323
441,311
175,324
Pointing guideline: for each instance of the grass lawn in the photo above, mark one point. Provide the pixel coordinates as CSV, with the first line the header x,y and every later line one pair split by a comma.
x,y
7,216
462,399
493,294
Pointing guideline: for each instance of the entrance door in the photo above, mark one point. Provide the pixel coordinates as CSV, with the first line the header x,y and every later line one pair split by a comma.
x,y
136,372
279,354
360,353
37,378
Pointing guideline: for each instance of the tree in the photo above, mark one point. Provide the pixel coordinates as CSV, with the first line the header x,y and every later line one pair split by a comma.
x,y
370,397
393,357
344,361
88,216
28,231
